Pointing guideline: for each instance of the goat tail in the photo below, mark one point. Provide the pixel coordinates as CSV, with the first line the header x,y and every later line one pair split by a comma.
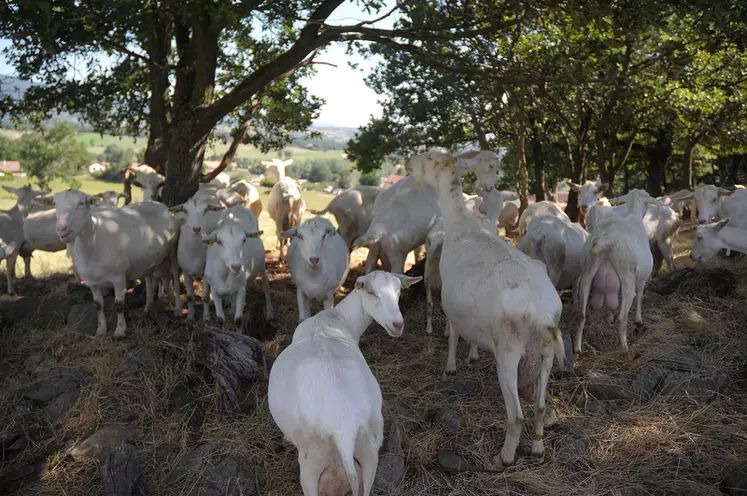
x,y
366,240
319,212
346,449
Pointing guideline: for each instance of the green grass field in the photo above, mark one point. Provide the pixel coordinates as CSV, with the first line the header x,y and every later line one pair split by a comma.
x,y
44,263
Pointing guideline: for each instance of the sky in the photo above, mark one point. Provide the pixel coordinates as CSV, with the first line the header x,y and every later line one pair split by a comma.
x,y
350,103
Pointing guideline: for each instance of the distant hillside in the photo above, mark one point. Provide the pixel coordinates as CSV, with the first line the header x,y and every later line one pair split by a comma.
x,y
333,137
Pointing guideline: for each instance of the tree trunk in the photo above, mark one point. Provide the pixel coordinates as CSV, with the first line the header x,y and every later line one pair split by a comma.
x,y
736,161
659,154
159,48
626,179
186,152
539,167
687,160
523,175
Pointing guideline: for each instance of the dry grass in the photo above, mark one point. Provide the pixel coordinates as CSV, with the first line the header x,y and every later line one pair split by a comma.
x,y
669,444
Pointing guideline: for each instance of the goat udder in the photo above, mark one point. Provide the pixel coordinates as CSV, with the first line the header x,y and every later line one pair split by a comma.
x,y
334,482
605,289
529,369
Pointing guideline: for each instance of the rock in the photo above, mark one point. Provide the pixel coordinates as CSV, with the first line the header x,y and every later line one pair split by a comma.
x,y
607,388
567,368
394,407
465,387
680,358
390,474
231,477
37,363
121,474
448,419
650,379
590,405
15,477
701,388
59,406
142,357
632,490
191,461
83,316
453,464
60,380
735,482
101,443
12,444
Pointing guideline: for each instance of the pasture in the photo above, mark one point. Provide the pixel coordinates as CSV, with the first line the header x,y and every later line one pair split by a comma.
x,y
669,419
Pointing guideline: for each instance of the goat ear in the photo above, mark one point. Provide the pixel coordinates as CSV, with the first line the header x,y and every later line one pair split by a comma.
x,y
724,192
361,282
573,186
93,200
177,209
687,196
9,248
137,183
122,195
331,231
44,201
290,233
215,208
255,234
722,223
407,281
602,188
208,239
10,190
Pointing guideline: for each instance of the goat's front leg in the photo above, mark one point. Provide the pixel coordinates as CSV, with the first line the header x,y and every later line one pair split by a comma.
x,y
269,311
451,359
27,266
175,272
474,354
11,272
218,302
148,293
190,289
329,300
304,306
98,303
205,299
120,287
239,300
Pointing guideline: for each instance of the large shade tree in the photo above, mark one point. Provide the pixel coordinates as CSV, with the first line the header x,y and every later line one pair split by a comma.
x,y
181,67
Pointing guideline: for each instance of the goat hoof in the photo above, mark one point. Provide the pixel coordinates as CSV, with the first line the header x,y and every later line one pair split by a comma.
x,y
538,457
500,463
640,326
448,375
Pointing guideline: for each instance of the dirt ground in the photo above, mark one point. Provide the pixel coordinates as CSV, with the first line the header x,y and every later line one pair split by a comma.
x,y
670,418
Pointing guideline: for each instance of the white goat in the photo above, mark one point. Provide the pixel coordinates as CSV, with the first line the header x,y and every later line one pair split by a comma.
x,y
539,209
111,245
149,180
588,194
40,234
716,203
559,244
249,195
11,227
286,207
617,263
660,221
323,396
509,215
490,206
353,210
496,297
222,180
201,216
318,260
716,236
678,201
235,257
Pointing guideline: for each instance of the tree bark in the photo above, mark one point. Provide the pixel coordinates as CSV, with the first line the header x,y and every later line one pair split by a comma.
x,y
186,153
523,175
659,154
159,48
539,165
687,158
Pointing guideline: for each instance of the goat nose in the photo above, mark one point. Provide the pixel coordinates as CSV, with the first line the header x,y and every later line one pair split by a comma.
x,y
236,267
314,261
196,230
399,325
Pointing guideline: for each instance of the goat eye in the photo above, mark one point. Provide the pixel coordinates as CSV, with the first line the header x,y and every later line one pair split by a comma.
x,y
700,238
218,242
299,237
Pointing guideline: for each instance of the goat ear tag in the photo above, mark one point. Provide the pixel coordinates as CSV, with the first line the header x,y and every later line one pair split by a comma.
x,y
450,163
405,284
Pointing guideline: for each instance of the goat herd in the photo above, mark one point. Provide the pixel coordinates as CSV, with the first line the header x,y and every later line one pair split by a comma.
x,y
498,297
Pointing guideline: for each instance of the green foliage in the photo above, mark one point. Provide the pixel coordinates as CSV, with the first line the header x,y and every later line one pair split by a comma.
x,y
369,179
8,149
52,153
267,182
